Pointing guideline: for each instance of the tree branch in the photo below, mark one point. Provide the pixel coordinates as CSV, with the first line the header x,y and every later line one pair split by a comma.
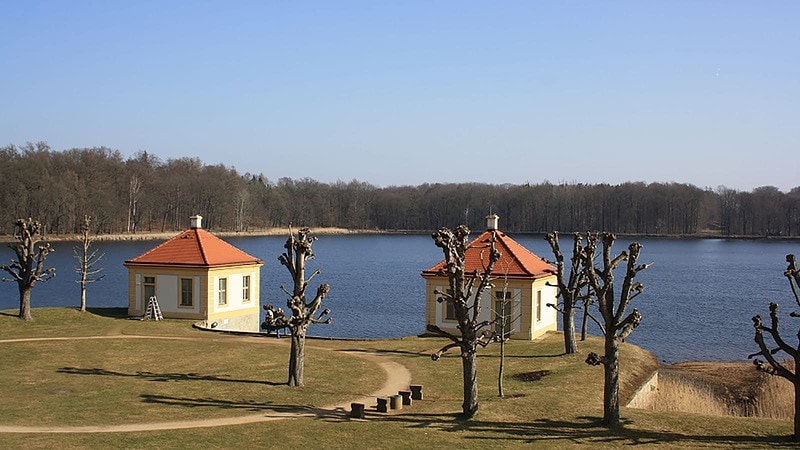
x,y
443,350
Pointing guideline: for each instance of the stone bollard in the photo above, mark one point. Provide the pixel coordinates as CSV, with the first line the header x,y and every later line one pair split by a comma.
x,y
406,397
383,404
416,391
396,402
357,410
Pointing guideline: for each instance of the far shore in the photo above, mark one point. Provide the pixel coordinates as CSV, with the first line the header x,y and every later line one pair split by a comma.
x,y
157,236
283,231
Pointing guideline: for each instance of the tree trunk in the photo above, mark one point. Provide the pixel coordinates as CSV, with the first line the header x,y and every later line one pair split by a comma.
x,y
796,383
297,359
585,322
611,385
570,346
502,362
470,366
83,296
25,303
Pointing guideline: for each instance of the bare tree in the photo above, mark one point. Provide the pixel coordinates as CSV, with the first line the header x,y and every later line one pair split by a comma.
x,y
298,252
465,297
133,199
616,326
570,287
772,365
504,327
242,206
28,268
87,259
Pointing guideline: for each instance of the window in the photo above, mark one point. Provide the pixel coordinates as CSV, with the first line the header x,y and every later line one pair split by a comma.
x,y
246,288
450,311
502,294
222,292
187,296
538,306
149,288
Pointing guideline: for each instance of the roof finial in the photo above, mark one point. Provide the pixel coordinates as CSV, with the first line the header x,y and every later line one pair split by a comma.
x,y
196,221
491,222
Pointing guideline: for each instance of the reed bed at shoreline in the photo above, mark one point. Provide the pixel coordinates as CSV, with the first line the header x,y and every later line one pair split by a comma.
x,y
680,394
775,399
769,397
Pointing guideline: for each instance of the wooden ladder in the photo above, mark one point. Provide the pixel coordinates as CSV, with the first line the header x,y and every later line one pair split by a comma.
x,y
153,310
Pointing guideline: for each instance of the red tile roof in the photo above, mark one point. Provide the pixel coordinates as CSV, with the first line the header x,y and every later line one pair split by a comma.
x,y
515,260
194,247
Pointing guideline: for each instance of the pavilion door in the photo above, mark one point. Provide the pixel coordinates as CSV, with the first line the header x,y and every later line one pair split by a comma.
x,y
148,289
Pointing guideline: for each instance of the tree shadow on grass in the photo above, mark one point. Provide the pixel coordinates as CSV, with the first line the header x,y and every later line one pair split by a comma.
x,y
160,377
580,431
113,313
426,354
251,406
9,314
558,355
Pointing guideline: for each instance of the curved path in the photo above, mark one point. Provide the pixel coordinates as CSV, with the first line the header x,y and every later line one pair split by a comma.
x,y
398,377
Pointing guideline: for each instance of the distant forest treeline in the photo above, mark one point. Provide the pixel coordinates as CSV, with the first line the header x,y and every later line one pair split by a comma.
x,y
145,194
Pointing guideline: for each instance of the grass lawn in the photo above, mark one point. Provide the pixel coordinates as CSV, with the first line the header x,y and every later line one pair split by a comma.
x,y
78,382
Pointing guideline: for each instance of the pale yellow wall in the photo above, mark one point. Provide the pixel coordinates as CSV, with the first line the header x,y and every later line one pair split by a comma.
x,y
549,320
526,327
166,293
435,312
205,291
235,305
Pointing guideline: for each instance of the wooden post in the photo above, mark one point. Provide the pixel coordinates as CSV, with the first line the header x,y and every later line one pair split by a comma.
x,y
416,391
406,397
383,404
357,410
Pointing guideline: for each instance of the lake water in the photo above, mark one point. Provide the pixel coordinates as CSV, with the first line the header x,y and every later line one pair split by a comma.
x,y
700,298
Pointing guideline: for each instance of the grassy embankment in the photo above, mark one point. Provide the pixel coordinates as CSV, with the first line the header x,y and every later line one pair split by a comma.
x,y
77,382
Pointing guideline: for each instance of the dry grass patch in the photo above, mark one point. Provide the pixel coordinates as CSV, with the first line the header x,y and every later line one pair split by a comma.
x,y
683,395
775,399
723,388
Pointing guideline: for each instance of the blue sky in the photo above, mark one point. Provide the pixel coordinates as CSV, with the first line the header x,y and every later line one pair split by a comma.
x,y
408,92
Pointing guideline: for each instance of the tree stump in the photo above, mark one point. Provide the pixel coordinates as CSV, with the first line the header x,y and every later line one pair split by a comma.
x,y
406,395
383,404
396,402
416,391
357,410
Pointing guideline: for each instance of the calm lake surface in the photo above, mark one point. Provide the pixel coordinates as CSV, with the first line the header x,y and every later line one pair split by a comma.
x,y
700,298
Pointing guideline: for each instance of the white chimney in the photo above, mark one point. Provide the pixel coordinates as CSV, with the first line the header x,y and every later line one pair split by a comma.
x,y
196,221
491,222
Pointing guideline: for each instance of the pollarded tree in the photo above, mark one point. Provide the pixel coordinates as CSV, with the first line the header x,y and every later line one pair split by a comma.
x,y
28,268
570,286
298,252
464,294
616,326
87,259
772,365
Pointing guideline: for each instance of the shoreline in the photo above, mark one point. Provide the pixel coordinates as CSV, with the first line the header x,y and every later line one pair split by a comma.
x,y
281,231
157,235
